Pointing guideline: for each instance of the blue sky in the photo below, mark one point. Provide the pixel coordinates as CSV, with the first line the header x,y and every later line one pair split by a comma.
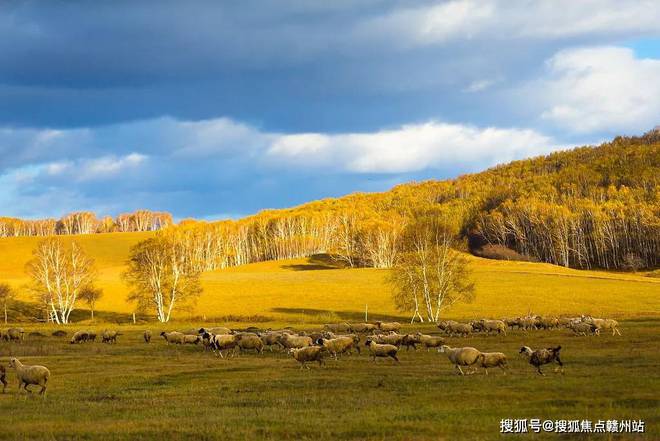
x,y
215,109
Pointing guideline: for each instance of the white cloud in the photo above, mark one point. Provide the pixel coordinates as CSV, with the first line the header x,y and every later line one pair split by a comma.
x,y
433,24
89,169
410,148
603,88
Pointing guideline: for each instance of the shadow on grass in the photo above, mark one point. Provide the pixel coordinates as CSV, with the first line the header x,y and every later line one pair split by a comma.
x,y
350,316
317,262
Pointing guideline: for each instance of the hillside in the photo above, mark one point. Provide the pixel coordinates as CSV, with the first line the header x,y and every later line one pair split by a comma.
x,y
310,290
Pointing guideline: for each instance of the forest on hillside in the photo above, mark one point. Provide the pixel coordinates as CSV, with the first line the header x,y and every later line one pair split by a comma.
x,y
590,207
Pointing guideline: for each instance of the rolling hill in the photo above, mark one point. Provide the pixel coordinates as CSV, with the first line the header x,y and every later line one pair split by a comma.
x,y
312,290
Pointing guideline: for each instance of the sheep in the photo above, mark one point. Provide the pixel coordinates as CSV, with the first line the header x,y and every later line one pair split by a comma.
x,y
511,323
272,338
337,327
28,375
363,327
292,341
249,341
491,360
411,340
466,356
391,326
430,341
59,333
528,323
109,336
340,345
79,337
3,378
308,354
191,339
14,334
548,322
606,324
389,339
91,335
381,350
497,326
221,342
446,324
542,356
583,328
463,329
173,337
216,330
147,336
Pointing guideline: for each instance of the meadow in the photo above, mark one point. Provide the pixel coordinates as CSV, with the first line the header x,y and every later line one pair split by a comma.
x,y
134,390
316,290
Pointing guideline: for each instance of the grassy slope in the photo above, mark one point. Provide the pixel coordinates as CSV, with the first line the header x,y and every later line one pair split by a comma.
x,y
306,290
136,391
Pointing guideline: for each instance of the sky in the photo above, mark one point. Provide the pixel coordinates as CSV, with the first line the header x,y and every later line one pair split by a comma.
x,y
213,109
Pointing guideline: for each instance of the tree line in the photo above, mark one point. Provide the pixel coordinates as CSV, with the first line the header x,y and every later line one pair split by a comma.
x,y
85,222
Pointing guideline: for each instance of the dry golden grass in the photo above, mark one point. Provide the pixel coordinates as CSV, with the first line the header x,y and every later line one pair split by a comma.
x,y
313,290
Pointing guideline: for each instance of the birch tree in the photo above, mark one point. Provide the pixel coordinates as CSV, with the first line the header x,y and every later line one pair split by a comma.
x,y
59,272
430,276
160,276
6,296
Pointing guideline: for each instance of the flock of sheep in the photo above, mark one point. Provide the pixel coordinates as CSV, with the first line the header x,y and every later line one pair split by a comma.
x,y
382,340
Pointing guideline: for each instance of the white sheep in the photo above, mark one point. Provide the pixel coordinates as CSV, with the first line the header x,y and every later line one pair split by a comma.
x,y
109,336
491,360
173,337
340,345
294,341
191,339
389,326
308,354
28,375
382,350
430,341
250,341
466,356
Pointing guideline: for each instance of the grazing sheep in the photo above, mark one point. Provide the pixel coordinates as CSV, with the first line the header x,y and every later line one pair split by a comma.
x,y
59,333
340,345
337,327
250,341
387,327
294,341
381,350
363,327
109,336
466,356
308,354
583,328
491,360
430,341
542,356
3,378
28,375
189,339
91,335
79,337
173,337
463,329
147,336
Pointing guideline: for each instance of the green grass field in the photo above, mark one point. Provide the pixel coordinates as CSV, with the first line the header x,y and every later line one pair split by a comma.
x,y
133,391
